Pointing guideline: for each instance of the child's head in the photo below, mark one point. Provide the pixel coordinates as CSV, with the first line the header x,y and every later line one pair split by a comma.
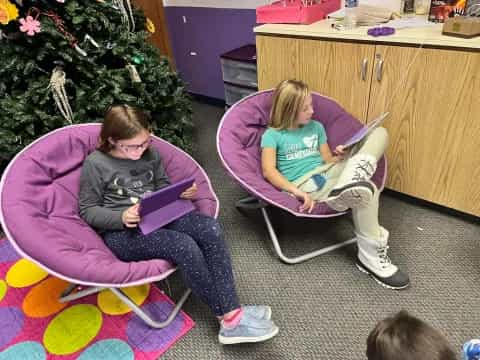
x,y
292,105
125,132
404,337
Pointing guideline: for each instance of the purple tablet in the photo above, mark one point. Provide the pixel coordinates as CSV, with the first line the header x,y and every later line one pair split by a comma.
x,y
163,206
363,132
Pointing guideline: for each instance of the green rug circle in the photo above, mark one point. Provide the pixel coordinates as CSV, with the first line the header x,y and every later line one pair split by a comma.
x,y
72,329
3,289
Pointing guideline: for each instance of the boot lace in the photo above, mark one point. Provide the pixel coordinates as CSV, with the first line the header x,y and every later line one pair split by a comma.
x,y
364,170
383,256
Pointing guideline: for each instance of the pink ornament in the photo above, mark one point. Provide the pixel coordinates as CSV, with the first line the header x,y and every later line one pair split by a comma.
x,y
61,1
30,25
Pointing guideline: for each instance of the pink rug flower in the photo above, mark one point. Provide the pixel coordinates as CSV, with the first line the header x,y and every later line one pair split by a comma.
x,y
30,25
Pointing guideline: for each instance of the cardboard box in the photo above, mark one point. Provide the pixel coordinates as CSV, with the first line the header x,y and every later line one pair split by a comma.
x,y
462,26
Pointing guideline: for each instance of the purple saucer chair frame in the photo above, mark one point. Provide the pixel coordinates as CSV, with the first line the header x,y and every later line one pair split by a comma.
x,y
85,262
238,145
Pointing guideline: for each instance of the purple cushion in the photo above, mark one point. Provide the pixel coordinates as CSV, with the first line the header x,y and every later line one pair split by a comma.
x,y
238,143
39,208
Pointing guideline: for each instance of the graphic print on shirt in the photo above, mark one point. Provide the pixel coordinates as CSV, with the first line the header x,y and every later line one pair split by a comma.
x,y
136,186
308,147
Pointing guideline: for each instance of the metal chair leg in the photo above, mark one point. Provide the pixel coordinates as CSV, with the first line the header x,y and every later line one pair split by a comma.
x,y
301,258
68,290
144,316
250,203
68,296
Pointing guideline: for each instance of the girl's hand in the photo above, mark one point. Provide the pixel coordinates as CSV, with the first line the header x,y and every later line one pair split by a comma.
x,y
308,202
190,192
340,150
340,153
131,217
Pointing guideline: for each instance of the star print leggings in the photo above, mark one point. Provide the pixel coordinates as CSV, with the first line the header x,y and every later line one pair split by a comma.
x,y
195,245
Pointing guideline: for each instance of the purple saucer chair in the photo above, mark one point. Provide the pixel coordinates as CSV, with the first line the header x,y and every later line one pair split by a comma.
x,y
39,214
238,145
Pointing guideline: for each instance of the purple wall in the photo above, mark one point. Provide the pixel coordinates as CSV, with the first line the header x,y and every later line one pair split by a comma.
x,y
208,32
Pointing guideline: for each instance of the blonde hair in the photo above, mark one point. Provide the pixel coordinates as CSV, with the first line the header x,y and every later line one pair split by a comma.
x,y
288,99
122,122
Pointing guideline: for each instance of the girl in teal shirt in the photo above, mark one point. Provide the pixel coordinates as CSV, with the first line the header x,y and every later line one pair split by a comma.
x,y
296,158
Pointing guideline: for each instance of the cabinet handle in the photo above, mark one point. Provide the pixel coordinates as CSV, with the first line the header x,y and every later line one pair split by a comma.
x,y
379,70
364,69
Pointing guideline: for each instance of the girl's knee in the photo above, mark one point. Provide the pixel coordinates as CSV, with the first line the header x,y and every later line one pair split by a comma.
x,y
381,133
207,225
185,248
212,229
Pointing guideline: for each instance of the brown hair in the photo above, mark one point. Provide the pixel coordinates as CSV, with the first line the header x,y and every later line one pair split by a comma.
x,y
404,337
122,122
288,100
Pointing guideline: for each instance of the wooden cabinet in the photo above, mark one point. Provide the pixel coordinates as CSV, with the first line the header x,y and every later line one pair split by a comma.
x,y
336,69
432,94
277,59
339,70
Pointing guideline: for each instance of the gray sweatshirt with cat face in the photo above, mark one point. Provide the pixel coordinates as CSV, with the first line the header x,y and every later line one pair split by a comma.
x,y
109,185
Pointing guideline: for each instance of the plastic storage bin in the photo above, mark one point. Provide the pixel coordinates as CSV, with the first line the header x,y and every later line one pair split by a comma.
x,y
235,93
240,73
239,66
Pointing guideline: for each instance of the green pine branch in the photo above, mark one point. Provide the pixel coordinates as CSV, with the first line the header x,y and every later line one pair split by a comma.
x,y
93,82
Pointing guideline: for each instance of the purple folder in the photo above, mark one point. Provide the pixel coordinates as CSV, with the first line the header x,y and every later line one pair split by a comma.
x,y
163,206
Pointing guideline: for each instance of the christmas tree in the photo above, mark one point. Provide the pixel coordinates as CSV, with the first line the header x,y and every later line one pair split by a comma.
x,y
66,61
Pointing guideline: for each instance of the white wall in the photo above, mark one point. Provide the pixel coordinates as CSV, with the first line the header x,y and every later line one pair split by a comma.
x,y
393,5
252,4
389,4
226,4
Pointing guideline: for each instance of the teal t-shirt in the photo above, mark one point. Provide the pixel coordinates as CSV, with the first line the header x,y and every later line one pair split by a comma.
x,y
297,149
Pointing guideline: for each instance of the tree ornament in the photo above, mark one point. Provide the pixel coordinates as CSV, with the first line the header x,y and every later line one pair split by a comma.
x,y
134,76
30,25
91,40
57,86
8,12
3,16
150,26
61,28
138,59
127,13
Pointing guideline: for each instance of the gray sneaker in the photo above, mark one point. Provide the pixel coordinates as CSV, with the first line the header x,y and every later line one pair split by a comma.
x,y
351,196
248,330
262,312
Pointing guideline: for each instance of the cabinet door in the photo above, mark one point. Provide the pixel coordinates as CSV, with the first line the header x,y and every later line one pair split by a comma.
x,y
433,97
277,60
339,70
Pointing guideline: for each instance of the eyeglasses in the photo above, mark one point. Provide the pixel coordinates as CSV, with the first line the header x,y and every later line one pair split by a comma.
x,y
129,148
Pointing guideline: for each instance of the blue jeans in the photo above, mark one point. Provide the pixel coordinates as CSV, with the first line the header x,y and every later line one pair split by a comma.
x,y
195,245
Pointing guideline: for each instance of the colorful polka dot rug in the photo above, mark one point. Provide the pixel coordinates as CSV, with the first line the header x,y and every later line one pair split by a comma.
x,y
34,325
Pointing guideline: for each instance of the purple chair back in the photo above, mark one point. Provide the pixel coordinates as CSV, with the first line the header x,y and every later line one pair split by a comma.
x,y
238,144
39,209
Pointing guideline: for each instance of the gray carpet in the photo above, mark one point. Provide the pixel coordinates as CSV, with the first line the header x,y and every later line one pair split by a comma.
x,y
325,307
